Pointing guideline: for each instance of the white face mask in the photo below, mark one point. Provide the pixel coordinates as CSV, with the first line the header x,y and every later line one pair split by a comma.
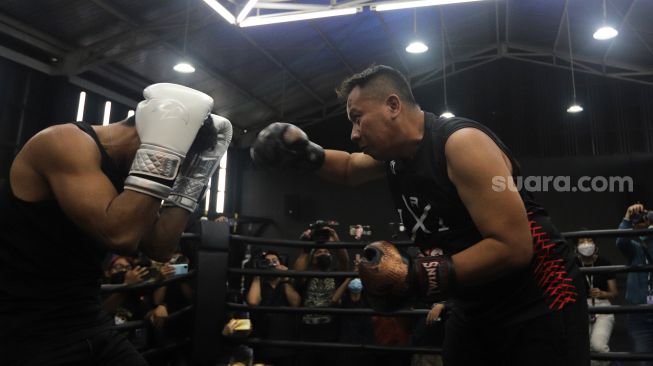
x,y
586,249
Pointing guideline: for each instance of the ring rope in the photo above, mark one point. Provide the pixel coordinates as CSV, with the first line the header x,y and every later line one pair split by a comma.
x,y
332,311
108,289
136,324
340,346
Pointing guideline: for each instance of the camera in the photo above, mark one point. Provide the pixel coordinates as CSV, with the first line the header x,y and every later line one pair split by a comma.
x,y
263,263
639,217
320,230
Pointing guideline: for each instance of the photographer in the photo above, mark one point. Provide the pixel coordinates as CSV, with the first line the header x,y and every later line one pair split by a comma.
x,y
320,292
639,286
273,291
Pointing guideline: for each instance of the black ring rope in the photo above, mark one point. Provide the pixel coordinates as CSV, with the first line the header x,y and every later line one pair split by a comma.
x,y
148,285
332,311
165,349
340,346
617,269
291,273
135,324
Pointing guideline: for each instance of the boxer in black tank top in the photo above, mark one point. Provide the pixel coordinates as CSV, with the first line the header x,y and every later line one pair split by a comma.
x,y
490,250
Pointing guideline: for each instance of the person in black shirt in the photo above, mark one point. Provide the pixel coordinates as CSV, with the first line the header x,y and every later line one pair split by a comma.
x,y
76,191
602,289
273,291
490,248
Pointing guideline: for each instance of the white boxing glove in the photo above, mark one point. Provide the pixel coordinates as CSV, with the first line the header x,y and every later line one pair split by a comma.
x,y
191,183
167,122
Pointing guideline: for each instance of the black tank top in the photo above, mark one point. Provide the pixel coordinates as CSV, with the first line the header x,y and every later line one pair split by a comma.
x,y
434,216
50,270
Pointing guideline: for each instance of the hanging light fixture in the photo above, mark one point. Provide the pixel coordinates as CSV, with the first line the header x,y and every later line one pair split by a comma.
x,y
605,31
416,46
184,66
574,107
446,113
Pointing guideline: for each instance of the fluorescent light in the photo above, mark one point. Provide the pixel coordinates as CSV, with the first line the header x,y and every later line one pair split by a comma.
x,y
107,113
415,4
219,204
130,113
223,161
574,108
447,114
80,106
184,67
243,13
605,32
417,47
221,10
222,180
272,19
206,196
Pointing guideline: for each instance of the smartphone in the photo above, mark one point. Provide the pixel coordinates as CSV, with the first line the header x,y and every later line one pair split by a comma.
x,y
181,268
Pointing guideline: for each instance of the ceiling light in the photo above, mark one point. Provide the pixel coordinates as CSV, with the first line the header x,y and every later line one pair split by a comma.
x,y
243,13
415,4
221,10
447,114
605,32
272,19
417,47
184,67
574,108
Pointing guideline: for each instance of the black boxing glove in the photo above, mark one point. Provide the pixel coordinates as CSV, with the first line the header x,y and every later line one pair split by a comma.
x,y
282,145
393,281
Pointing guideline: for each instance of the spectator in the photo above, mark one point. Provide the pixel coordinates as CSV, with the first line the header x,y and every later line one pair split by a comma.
x,y
639,285
428,333
601,290
356,329
127,306
273,291
320,292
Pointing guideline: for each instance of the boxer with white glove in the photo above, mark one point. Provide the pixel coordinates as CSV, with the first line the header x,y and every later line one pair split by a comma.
x,y
167,122
190,185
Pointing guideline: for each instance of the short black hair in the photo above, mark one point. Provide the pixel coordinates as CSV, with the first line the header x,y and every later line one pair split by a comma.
x,y
384,79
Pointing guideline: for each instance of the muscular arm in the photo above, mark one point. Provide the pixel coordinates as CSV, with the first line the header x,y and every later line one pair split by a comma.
x,y
73,177
350,169
473,159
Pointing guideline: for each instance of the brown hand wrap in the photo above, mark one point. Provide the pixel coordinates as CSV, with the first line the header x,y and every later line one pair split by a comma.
x,y
433,277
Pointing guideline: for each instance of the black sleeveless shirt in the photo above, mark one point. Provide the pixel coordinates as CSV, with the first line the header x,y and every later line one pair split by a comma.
x,y
50,270
434,216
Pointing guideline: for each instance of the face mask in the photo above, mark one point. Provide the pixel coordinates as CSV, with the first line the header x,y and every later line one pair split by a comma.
x,y
117,278
355,285
586,249
323,261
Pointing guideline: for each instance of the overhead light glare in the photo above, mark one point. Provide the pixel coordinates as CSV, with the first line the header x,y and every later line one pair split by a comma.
x,y
80,106
107,113
243,13
415,4
447,114
130,113
184,67
417,47
574,108
605,32
221,10
273,19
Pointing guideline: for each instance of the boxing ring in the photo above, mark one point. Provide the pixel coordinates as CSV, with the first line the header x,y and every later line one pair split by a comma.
x,y
211,247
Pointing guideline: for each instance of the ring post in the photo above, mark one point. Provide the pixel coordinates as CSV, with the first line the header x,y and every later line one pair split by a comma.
x,y
211,291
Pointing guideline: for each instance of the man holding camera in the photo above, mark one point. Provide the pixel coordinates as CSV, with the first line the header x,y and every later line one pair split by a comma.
x,y
639,286
273,291
320,292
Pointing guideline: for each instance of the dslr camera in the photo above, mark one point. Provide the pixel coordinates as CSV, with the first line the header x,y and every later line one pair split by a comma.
x,y
639,217
264,263
320,230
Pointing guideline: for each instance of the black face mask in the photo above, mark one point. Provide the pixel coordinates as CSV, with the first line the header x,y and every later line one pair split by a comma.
x,y
117,278
323,261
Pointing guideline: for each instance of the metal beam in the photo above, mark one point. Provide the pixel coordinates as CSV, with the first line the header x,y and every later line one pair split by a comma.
x,y
22,59
95,88
393,44
621,26
507,22
560,24
473,66
332,47
199,63
280,64
33,36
